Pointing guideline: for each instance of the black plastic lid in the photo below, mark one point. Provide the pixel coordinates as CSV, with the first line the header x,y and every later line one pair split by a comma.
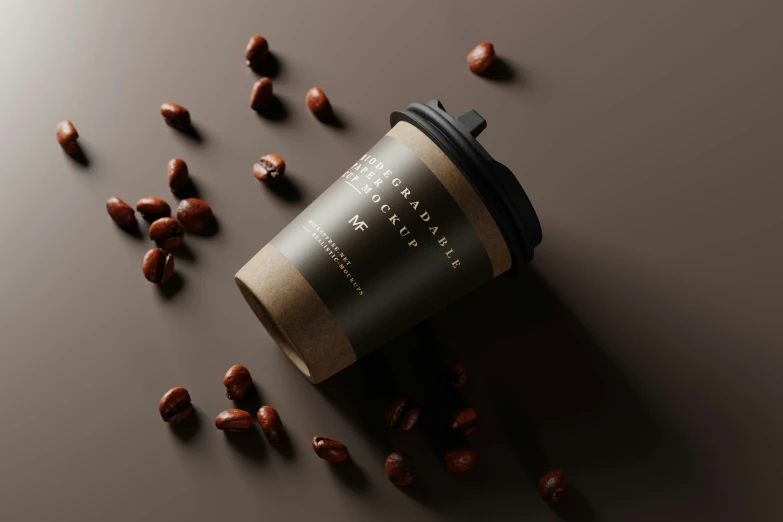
x,y
494,182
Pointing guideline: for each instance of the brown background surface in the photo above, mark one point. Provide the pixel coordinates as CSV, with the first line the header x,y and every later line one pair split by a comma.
x,y
641,352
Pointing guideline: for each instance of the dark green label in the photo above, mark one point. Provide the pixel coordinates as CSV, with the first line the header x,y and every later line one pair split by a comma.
x,y
385,246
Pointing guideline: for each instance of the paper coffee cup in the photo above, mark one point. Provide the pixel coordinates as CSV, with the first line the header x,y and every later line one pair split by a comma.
x,y
421,219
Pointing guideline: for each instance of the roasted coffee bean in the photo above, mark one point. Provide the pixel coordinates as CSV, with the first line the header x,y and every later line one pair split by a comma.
x,y
481,57
175,115
195,215
329,449
157,266
261,94
67,136
153,208
175,405
462,459
399,469
464,420
233,420
269,167
122,213
179,178
402,414
318,103
237,381
167,233
257,51
551,486
453,371
270,423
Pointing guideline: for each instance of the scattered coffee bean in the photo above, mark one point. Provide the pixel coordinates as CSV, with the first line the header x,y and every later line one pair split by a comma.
x,y
462,459
67,136
261,94
270,423
453,371
179,178
122,213
157,266
269,167
153,208
195,215
551,486
464,420
175,115
166,232
329,449
402,414
399,468
237,381
318,103
233,420
257,51
175,405
481,57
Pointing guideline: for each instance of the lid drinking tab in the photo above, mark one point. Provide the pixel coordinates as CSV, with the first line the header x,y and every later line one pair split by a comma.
x,y
473,122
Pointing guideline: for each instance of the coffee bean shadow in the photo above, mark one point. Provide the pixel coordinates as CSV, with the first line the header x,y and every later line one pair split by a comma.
x,y
334,120
192,133
502,71
81,158
271,67
251,402
285,446
351,475
173,287
212,229
133,230
191,190
249,444
574,507
188,429
183,252
285,188
276,111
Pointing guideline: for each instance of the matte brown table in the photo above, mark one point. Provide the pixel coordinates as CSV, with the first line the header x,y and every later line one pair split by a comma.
x,y
641,352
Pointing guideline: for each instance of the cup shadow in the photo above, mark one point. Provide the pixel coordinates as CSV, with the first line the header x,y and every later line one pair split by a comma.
x,y
537,378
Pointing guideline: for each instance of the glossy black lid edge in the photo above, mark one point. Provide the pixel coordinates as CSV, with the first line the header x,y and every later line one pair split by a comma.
x,y
494,182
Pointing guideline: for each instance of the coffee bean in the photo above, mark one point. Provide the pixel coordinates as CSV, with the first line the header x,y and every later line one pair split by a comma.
x,y
462,459
481,57
179,178
399,468
237,381
175,405
175,115
402,414
269,167
270,423
67,136
153,208
464,420
329,449
257,51
233,420
122,213
195,215
167,233
453,371
318,103
551,486
261,94
157,266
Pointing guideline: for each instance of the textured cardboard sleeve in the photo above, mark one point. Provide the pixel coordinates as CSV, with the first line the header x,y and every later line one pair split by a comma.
x,y
294,315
